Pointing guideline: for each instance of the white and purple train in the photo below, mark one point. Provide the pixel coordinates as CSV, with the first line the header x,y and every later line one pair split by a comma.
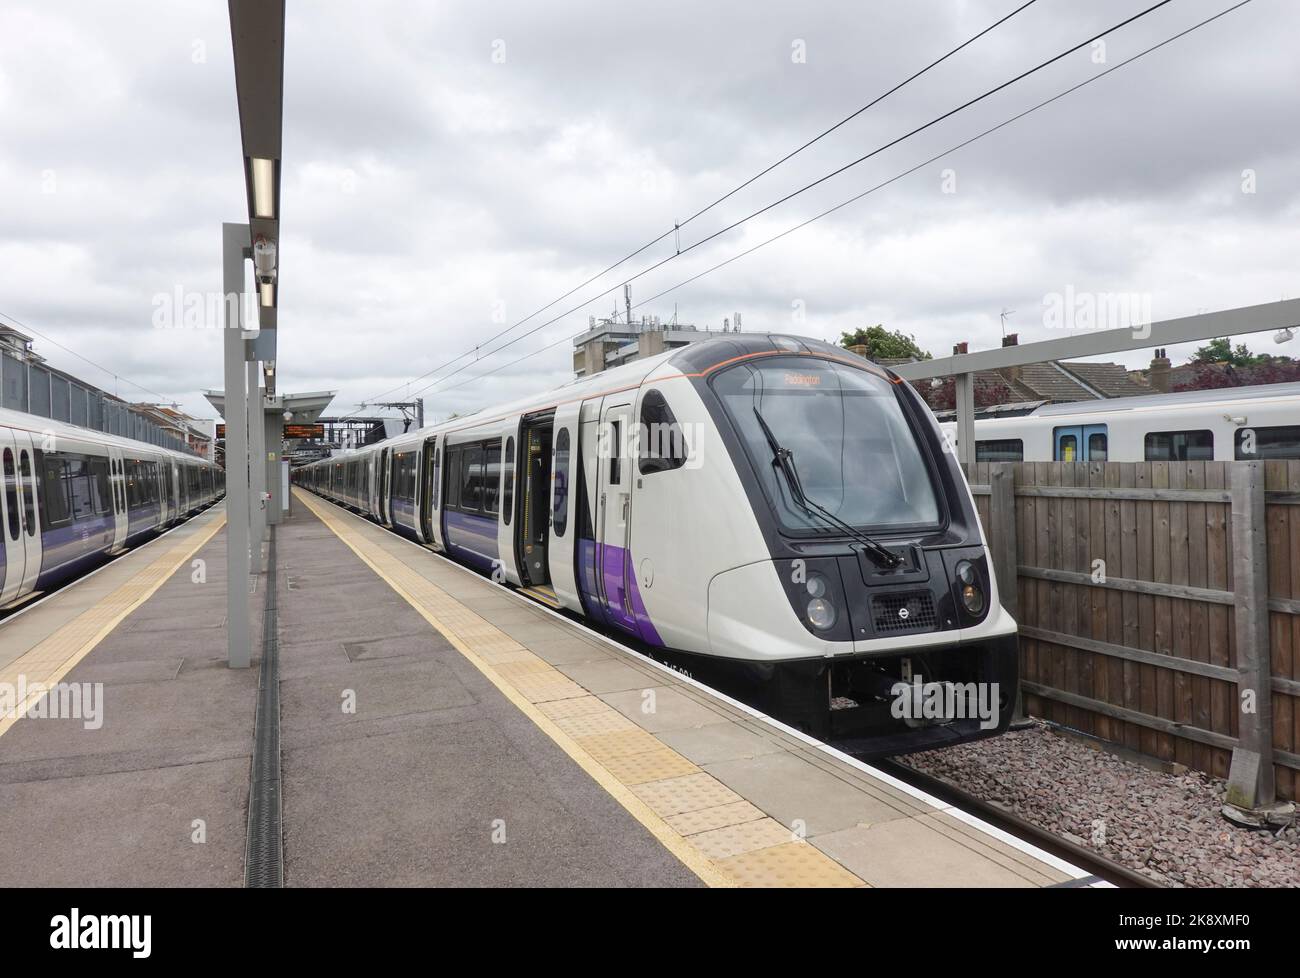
x,y
769,514
71,497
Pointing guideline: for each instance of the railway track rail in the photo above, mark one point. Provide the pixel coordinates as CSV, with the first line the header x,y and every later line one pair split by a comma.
x,y
1086,859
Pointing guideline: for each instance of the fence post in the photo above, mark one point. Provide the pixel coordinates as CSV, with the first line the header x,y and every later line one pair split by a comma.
x,y
1002,526
1250,779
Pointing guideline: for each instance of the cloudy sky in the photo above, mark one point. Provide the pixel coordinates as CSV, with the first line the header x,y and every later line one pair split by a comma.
x,y
449,168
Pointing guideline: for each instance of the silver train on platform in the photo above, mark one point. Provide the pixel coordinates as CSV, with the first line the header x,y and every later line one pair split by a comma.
x,y
768,514
1258,423
71,497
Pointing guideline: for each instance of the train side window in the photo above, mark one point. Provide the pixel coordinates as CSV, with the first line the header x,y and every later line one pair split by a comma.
x,y
1097,447
453,479
1004,450
103,486
560,513
662,444
471,479
436,478
54,491
29,490
80,488
615,453
1179,446
508,503
1067,448
491,477
11,493
1278,441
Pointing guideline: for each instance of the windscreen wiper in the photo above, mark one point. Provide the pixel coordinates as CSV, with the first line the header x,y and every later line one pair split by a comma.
x,y
783,459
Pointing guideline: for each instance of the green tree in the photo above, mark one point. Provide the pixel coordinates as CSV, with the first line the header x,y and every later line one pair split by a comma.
x,y
884,344
1222,351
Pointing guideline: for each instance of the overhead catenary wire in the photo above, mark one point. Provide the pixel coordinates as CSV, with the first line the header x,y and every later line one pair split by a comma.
x,y
678,225
822,179
855,198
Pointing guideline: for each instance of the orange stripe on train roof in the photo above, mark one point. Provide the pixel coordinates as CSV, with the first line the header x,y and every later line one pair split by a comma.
x,y
858,363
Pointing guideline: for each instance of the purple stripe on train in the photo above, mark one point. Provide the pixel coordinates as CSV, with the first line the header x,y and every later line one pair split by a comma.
x,y
67,551
472,538
625,610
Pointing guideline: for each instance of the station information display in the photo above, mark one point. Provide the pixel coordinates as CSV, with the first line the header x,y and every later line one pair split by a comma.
x,y
290,431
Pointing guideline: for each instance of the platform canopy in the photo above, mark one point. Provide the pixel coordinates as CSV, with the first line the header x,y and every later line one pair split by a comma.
x,y
257,37
306,408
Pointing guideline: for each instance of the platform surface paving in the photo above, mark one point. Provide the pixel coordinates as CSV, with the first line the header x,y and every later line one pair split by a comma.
x,y
436,729
737,798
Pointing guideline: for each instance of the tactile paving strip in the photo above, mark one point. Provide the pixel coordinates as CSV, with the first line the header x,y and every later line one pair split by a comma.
x,y
716,832
791,864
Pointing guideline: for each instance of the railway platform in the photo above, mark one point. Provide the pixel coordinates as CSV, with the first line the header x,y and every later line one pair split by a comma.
x,y
434,729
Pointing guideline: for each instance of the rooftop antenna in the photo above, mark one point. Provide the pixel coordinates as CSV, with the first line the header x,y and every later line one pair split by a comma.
x,y
1005,314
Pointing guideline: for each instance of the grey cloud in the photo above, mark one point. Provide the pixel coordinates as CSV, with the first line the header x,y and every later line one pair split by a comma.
x,y
423,182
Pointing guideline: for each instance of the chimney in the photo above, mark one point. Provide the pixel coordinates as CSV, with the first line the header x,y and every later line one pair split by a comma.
x,y
1011,374
1159,374
861,349
959,349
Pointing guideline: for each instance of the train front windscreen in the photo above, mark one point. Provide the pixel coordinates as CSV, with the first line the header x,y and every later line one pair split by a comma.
x,y
850,443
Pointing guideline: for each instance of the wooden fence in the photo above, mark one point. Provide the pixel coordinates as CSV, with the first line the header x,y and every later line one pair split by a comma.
x,y
1156,600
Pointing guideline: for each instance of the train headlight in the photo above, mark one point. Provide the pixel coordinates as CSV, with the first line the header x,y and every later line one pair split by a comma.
x,y
821,613
816,586
972,595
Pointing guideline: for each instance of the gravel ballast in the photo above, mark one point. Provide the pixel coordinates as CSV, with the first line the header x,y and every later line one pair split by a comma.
x,y
1166,825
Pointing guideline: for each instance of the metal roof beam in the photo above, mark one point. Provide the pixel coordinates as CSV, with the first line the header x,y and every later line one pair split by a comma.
x,y
1267,317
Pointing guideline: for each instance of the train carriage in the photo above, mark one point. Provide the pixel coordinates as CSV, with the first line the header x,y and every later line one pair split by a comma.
x,y
769,514
70,497
1226,424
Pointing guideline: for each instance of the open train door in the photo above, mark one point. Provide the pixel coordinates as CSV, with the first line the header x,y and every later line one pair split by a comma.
x,y
613,511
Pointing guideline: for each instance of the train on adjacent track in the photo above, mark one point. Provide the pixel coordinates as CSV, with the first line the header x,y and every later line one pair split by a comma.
x,y
71,497
771,515
1233,423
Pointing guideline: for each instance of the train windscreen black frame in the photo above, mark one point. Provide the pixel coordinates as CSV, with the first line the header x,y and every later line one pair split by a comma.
x,y
856,453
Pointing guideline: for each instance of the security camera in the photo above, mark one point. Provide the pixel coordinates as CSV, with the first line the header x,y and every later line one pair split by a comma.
x,y
264,260
1284,335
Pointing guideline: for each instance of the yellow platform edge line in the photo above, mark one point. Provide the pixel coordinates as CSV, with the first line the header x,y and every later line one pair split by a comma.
x,y
674,842
89,645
